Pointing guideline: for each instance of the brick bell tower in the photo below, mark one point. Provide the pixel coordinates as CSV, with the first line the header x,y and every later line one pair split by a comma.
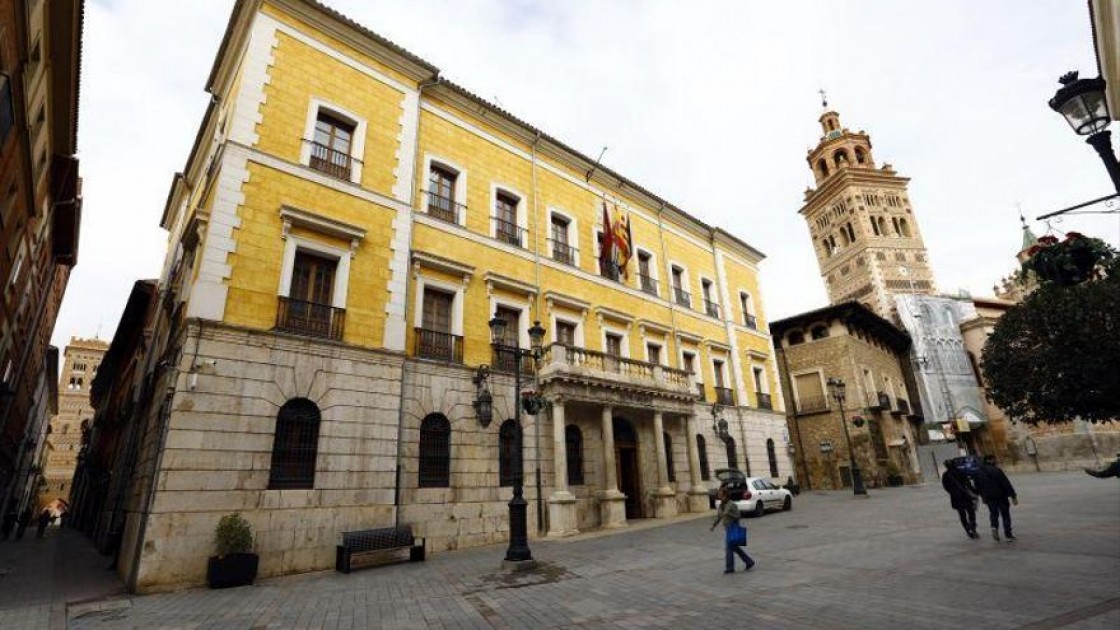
x,y
864,231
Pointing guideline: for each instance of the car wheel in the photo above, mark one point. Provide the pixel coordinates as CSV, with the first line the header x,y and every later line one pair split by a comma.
x,y
759,508
787,505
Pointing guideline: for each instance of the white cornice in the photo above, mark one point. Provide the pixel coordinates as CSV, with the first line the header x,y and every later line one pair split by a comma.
x,y
439,263
604,312
495,280
556,298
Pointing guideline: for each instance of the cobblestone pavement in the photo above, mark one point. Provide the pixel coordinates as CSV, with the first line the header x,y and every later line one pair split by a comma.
x,y
896,559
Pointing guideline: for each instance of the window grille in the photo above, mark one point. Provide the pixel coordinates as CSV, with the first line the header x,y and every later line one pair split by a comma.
x,y
669,458
772,457
295,446
573,440
702,447
507,453
435,452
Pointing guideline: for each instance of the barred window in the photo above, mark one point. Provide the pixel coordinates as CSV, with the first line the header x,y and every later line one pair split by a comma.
x,y
772,457
669,458
296,445
573,441
702,447
435,452
507,453
732,454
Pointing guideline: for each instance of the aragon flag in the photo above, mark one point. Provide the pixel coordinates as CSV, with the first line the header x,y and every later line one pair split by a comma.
x,y
625,242
606,245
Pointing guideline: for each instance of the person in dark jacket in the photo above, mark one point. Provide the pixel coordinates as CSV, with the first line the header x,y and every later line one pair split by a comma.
x,y
962,496
995,488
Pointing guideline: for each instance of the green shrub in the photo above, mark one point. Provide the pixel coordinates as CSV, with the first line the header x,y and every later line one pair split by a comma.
x,y
233,535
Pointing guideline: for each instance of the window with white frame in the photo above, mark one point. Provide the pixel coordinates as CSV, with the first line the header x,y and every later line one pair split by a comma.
x,y
506,220
680,286
562,238
314,279
724,395
565,333
441,193
653,353
711,306
333,141
646,272
747,306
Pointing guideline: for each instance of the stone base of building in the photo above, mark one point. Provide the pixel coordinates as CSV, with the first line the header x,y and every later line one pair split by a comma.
x,y
612,510
698,500
562,515
666,503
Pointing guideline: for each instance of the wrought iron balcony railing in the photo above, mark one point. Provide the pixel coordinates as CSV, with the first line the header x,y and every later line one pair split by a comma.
x,y
649,284
711,308
309,318
764,401
725,396
505,360
510,233
445,208
684,298
330,161
563,252
439,346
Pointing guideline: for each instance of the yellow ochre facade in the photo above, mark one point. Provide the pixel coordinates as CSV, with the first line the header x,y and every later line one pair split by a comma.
x,y
347,224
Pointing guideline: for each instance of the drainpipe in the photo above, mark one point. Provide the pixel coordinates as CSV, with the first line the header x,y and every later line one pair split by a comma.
x,y
408,286
537,310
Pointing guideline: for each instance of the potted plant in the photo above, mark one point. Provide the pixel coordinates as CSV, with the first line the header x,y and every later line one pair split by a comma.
x,y
1070,261
235,564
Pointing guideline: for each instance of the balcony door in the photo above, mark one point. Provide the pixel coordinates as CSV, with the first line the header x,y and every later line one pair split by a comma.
x,y
505,360
436,341
311,294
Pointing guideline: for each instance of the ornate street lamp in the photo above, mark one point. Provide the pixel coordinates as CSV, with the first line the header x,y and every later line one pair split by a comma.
x,y
719,425
836,389
518,550
1082,103
484,401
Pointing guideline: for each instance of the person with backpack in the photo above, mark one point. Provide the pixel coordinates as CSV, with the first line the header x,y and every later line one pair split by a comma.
x,y
962,496
735,536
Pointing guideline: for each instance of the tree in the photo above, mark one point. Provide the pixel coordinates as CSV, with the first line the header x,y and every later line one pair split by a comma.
x,y
1055,356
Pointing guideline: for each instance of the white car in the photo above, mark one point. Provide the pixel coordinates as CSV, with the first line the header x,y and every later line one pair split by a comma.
x,y
762,495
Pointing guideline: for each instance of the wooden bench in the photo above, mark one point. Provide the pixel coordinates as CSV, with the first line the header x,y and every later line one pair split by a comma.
x,y
370,541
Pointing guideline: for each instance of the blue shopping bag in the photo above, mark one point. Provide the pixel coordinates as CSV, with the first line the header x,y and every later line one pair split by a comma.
x,y
737,535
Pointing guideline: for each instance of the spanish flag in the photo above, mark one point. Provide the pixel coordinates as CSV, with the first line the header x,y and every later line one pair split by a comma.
x,y
606,247
624,242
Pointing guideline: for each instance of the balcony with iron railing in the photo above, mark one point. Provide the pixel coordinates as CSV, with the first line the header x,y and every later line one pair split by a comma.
x,y
438,346
563,252
683,298
812,404
444,208
330,161
711,308
878,401
648,283
725,396
510,233
570,361
505,360
311,319
751,321
902,407
764,401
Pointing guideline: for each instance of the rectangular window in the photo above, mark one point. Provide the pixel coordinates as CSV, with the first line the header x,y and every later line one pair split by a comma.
x,y
645,278
614,345
437,310
505,219
710,305
562,251
506,361
308,309
810,393
717,367
441,194
330,149
688,361
7,114
682,297
565,333
653,351
313,279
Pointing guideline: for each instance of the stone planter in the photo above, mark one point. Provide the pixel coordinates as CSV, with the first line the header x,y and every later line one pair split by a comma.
x,y
235,569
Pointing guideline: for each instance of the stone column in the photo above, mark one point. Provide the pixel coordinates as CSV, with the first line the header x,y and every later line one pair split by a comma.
x,y
666,496
562,504
612,508
697,493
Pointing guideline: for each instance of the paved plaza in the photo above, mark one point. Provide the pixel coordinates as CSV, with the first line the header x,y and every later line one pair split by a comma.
x,y
896,559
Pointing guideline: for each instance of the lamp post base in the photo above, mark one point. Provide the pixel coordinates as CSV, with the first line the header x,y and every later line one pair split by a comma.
x,y
857,483
517,566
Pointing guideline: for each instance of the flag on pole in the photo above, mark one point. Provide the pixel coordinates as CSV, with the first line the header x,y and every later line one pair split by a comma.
x,y
625,243
606,245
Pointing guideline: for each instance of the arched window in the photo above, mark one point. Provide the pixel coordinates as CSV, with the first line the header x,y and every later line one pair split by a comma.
x,y
295,446
732,454
772,457
905,226
702,447
819,332
840,158
435,452
844,240
796,337
573,442
822,167
669,458
861,157
507,453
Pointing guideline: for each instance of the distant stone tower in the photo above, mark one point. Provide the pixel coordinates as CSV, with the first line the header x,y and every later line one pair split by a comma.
x,y
82,358
864,232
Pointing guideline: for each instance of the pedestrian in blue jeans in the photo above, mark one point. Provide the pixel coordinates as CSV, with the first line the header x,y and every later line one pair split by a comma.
x,y
996,489
728,514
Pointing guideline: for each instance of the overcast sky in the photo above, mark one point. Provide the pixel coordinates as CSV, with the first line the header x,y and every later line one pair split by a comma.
x,y
711,105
